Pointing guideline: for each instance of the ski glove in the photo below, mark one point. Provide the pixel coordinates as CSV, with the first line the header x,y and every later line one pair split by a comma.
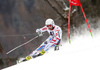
x,y
38,31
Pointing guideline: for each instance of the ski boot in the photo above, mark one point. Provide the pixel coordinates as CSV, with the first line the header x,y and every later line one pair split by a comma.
x,y
41,53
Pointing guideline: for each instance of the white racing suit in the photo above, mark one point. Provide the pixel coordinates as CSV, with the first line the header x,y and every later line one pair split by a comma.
x,y
51,41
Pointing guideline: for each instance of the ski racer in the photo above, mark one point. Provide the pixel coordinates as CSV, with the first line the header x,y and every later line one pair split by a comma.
x,y
54,39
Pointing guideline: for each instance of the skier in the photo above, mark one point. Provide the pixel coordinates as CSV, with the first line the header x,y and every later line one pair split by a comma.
x,y
54,39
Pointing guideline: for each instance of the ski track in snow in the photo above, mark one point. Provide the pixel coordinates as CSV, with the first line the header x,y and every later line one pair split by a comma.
x,y
82,54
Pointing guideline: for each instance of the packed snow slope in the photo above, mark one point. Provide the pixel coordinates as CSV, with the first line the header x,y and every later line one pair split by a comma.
x,y
82,54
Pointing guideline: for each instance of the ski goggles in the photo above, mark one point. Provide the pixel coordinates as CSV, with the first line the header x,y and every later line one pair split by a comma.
x,y
49,25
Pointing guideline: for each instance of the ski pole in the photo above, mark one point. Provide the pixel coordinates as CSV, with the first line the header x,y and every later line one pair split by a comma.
x,y
22,45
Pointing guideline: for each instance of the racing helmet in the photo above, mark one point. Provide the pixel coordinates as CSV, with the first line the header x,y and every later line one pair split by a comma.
x,y
49,22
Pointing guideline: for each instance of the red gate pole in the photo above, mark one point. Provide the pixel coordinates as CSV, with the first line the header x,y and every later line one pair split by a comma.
x,y
26,45
86,20
76,3
69,23
7,57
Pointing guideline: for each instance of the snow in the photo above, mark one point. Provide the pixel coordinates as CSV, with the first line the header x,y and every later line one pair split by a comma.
x,y
82,54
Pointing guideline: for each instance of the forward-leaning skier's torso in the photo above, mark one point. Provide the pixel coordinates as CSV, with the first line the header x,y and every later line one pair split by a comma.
x,y
55,33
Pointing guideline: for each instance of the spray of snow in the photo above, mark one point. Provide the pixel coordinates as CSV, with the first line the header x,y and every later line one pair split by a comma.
x,y
82,54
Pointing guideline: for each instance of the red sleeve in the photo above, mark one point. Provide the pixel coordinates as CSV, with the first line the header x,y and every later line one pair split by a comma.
x,y
57,34
43,29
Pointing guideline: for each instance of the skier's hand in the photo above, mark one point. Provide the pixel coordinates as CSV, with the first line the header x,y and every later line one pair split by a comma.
x,y
38,31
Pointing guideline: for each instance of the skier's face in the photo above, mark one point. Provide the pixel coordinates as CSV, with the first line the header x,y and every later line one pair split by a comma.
x,y
50,27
